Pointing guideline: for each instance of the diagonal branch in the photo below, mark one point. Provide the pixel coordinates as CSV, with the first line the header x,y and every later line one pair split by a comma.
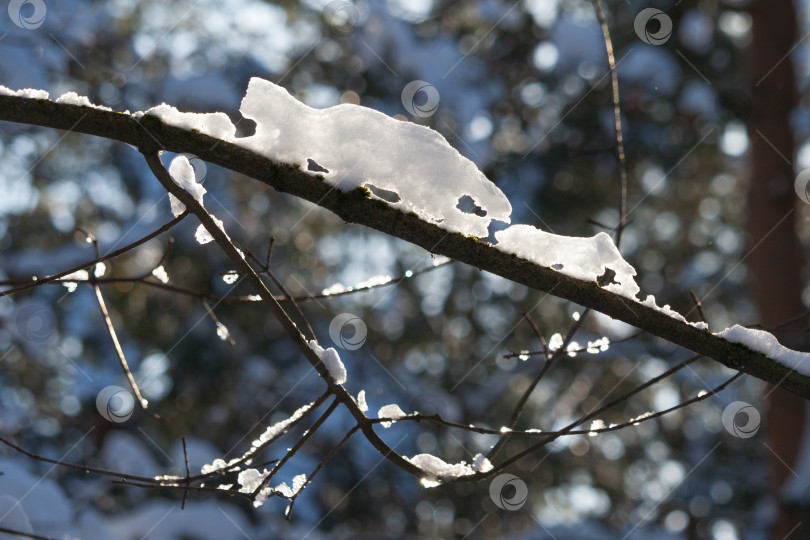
x,y
356,207
224,242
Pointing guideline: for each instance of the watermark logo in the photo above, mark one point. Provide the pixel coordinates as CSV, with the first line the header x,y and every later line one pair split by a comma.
x,y
341,15
733,426
35,323
645,26
802,186
420,98
358,329
28,14
500,484
115,404
199,166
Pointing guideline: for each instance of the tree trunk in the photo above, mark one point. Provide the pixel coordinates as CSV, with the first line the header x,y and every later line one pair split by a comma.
x,y
775,261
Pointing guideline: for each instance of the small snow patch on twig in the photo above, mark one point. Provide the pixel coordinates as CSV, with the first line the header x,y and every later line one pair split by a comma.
x,y
330,359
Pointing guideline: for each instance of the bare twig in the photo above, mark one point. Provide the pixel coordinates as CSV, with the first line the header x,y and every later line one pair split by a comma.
x,y
41,281
25,534
617,122
227,336
223,241
188,474
698,305
559,353
122,359
297,446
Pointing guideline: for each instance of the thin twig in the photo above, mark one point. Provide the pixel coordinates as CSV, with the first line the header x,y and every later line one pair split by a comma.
x,y
289,298
617,122
25,534
248,299
83,468
41,281
518,410
320,466
297,446
188,474
152,157
122,359
699,306
602,409
578,350
228,339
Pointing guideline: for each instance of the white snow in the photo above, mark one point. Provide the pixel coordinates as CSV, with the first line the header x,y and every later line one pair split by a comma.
x,y
481,463
361,401
250,479
284,489
182,173
30,93
279,427
767,344
374,281
437,470
555,342
360,146
161,274
269,435
584,258
78,275
298,482
202,236
600,345
218,464
72,98
391,411
216,125
579,258
223,333
337,288
331,360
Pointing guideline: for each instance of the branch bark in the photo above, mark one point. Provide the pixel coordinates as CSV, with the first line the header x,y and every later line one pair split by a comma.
x,y
150,135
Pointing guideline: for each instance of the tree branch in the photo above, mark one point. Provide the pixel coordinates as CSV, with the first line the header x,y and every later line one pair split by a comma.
x,y
150,134
342,395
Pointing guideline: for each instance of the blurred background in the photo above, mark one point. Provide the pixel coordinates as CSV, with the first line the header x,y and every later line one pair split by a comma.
x,y
716,129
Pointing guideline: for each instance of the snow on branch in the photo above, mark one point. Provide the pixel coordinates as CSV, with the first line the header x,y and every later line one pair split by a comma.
x,y
355,146
359,148
426,227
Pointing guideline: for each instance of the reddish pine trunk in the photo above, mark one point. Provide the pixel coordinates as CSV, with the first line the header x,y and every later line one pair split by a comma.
x,y
775,259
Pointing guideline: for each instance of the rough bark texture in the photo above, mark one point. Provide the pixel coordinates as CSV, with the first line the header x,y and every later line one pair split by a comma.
x,y
149,134
775,263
